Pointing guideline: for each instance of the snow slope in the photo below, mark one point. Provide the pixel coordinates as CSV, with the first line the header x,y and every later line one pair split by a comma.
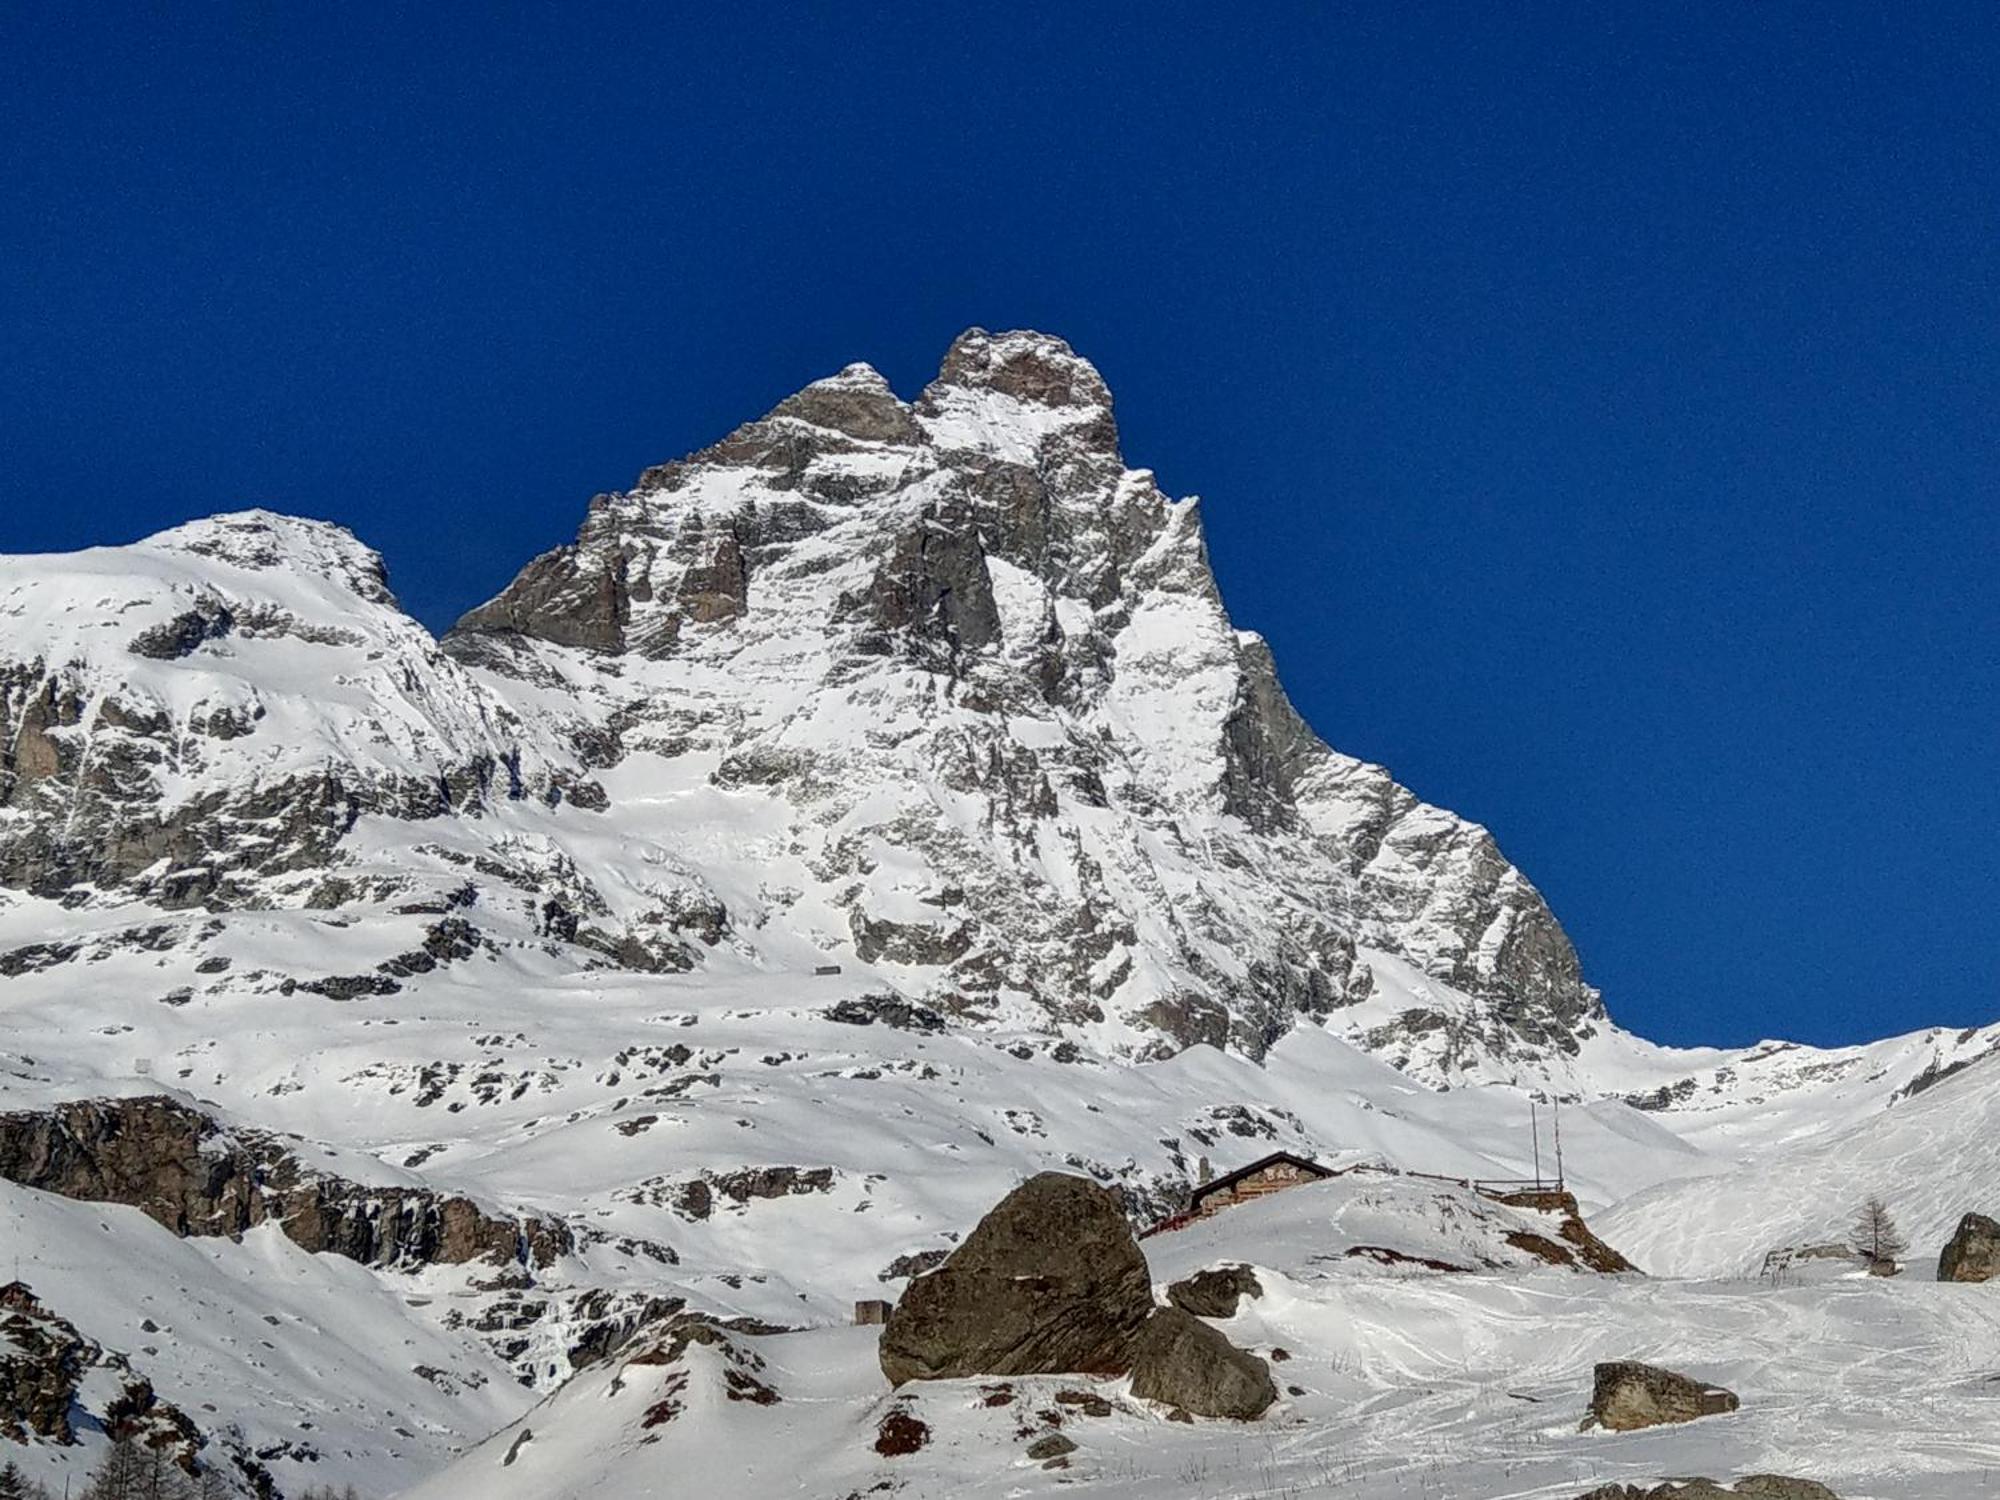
x,y
1930,1159
1397,1384
941,695
309,1362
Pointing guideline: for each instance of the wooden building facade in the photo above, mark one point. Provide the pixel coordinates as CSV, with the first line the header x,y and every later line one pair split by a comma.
x,y
1270,1174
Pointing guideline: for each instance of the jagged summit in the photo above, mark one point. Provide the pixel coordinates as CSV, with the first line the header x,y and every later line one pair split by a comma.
x,y
877,610
1038,369
679,547
976,667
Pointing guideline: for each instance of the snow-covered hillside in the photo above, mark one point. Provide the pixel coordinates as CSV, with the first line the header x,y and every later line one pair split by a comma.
x,y
1397,1383
863,814
1930,1159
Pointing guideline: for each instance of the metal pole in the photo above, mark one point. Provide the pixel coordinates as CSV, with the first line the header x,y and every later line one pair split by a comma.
x,y
1535,1130
1559,1143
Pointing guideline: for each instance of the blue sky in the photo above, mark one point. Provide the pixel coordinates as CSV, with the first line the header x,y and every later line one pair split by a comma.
x,y
1597,409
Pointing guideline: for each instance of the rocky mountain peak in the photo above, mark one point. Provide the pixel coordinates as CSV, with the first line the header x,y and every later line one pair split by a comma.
x,y
970,602
857,403
1035,368
264,541
976,668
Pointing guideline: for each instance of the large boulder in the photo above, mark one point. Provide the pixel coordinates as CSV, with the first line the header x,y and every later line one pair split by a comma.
x,y
1629,1395
1215,1293
1181,1361
1050,1282
1973,1253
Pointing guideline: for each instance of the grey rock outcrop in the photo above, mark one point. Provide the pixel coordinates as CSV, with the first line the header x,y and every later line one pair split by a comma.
x,y
1973,1252
1215,1293
1050,1282
44,1362
1756,1486
117,786
186,1172
1627,1395
1181,1361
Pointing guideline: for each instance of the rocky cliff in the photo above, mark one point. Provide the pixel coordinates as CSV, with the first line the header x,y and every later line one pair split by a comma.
x,y
185,1171
974,666
983,670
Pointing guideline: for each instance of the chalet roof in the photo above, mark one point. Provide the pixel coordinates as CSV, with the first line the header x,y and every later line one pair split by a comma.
x,y
1230,1179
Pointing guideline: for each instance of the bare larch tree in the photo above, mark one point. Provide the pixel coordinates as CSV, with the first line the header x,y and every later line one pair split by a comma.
x,y
1876,1237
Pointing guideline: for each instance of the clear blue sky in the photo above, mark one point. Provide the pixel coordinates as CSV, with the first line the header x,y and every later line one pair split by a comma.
x,y
1599,412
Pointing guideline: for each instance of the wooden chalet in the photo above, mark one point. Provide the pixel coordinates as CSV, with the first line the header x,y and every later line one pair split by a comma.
x,y
1270,1174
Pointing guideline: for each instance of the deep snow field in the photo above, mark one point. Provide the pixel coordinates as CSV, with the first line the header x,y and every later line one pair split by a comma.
x,y
1401,1385
1414,1383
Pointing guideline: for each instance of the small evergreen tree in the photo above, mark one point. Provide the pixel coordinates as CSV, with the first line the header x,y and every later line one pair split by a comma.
x,y
13,1483
1876,1237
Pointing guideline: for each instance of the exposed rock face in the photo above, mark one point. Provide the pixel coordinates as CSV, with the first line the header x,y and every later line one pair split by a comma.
x,y
186,1172
1760,1486
1050,1282
612,1320
1215,1293
1181,1361
1628,1395
696,1199
1579,1245
43,1363
660,1354
123,781
42,1360
887,1009
969,600
1973,1252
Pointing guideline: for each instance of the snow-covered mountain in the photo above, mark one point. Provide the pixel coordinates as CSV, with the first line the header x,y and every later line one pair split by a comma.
x,y
863,813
